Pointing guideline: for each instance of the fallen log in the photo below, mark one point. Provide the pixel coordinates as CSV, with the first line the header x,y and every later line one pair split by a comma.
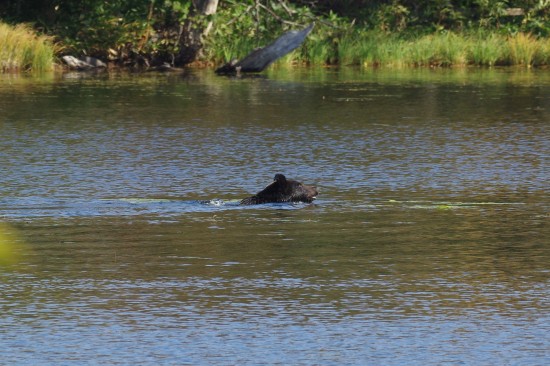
x,y
261,58
83,63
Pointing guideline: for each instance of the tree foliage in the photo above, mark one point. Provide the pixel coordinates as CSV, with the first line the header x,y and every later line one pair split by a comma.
x,y
151,30
429,15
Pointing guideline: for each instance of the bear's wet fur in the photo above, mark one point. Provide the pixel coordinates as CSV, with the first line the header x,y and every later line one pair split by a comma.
x,y
283,190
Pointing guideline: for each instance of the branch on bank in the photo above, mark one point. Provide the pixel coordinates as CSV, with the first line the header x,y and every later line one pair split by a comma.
x,y
259,59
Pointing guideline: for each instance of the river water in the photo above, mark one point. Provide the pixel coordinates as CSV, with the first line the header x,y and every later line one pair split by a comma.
x,y
428,243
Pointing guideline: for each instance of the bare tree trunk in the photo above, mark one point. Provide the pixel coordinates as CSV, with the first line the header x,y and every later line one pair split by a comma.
x,y
194,29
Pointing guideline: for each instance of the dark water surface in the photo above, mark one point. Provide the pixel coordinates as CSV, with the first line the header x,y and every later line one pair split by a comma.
x,y
428,244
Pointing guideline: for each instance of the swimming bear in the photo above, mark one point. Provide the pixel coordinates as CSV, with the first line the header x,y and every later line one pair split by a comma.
x,y
283,190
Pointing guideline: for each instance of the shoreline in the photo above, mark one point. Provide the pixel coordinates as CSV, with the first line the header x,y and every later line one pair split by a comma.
x,y
23,50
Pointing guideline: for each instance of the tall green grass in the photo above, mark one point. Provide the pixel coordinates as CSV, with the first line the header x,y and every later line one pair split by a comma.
x,y
524,49
21,49
441,49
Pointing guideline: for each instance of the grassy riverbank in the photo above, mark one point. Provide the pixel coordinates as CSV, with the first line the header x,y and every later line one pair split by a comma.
x,y
21,49
369,48
373,48
439,49
377,33
388,35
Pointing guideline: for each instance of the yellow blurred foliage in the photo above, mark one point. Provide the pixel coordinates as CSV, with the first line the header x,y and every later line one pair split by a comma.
x,y
11,245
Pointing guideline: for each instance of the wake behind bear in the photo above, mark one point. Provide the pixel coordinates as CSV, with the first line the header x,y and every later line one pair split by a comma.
x,y
283,190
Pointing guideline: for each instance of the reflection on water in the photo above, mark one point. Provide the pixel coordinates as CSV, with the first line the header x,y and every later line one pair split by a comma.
x,y
426,245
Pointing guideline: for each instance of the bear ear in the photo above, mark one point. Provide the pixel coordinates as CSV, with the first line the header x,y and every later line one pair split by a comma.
x,y
279,178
